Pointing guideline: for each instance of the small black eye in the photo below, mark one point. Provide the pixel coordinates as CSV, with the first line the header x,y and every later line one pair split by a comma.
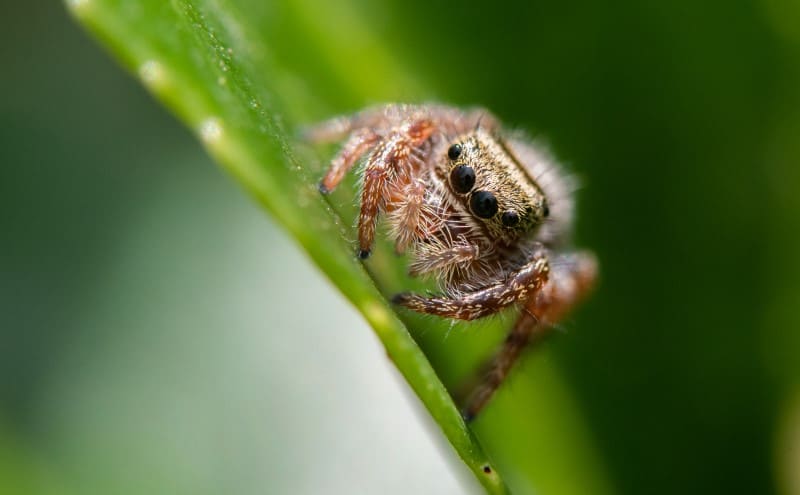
x,y
462,178
454,152
483,204
546,210
510,218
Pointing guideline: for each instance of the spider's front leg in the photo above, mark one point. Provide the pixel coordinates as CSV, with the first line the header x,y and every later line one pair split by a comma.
x,y
391,167
572,277
358,144
520,286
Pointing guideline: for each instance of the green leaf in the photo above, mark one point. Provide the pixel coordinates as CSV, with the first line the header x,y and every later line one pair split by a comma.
x,y
243,75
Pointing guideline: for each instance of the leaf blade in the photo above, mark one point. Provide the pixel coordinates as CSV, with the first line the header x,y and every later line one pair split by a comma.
x,y
196,72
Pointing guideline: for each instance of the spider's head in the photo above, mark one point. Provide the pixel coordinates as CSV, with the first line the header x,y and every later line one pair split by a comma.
x,y
494,187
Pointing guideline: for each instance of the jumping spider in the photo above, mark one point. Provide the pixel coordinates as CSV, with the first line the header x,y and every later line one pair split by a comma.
x,y
483,210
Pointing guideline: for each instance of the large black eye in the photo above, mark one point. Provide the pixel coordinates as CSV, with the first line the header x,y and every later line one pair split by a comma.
x,y
546,210
462,178
483,204
454,152
510,218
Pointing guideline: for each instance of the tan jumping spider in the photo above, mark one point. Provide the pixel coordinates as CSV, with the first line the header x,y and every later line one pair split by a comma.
x,y
484,211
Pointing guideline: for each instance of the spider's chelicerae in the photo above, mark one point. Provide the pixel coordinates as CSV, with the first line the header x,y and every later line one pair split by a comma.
x,y
484,211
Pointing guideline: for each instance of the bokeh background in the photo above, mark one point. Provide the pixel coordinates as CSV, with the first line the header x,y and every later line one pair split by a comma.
x,y
156,331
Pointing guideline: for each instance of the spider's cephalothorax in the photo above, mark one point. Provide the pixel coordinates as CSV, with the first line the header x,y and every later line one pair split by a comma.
x,y
484,211
489,182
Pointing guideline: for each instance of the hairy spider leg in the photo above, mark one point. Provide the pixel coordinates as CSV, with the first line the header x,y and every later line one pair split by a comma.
x,y
442,258
520,286
409,213
390,167
358,144
328,131
335,129
571,279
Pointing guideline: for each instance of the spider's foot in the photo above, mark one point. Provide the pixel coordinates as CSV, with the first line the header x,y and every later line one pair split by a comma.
x,y
402,299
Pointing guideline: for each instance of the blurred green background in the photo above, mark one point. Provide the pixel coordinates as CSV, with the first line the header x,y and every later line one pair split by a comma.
x,y
150,336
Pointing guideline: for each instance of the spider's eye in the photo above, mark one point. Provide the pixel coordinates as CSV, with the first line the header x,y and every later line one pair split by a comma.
x,y
462,179
510,218
483,204
546,210
454,151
